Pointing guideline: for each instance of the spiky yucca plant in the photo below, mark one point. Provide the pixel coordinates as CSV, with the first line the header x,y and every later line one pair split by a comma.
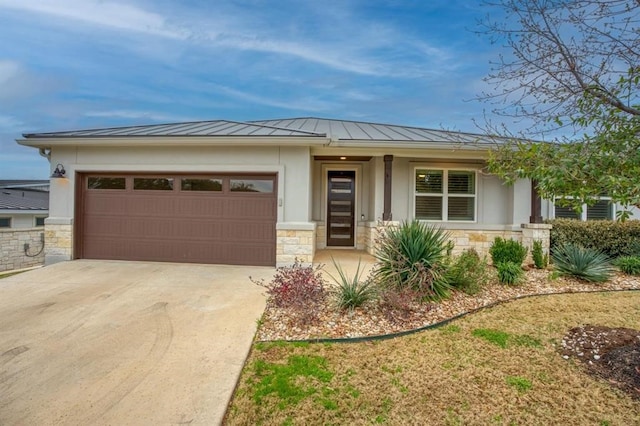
x,y
582,263
412,255
352,291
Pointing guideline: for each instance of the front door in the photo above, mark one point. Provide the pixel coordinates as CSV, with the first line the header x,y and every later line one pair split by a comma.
x,y
341,208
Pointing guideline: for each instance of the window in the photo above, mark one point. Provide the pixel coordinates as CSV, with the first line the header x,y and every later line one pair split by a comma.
x,y
603,209
251,185
40,221
5,222
153,184
201,184
95,182
445,195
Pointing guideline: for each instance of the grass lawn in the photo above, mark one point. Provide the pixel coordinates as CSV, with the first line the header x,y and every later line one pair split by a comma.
x,y
498,366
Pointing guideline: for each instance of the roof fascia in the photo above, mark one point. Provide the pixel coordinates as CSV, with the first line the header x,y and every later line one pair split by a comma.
x,y
22,211
44,142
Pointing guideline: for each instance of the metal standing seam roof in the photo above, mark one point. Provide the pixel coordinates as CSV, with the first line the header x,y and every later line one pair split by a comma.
x,y
18,199
214,128
290,127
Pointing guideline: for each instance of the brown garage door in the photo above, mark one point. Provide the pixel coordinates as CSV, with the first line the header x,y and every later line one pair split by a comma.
x,y
227,219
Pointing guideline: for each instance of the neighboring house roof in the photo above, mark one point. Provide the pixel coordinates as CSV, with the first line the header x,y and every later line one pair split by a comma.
x,y
35,185
23,200
343,130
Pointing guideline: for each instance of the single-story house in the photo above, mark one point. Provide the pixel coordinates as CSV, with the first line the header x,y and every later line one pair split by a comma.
x,y
23,203
267,192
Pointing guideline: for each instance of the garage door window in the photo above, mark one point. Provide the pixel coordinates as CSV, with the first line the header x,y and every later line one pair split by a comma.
x,y
106,183
153,184
201,185
251,185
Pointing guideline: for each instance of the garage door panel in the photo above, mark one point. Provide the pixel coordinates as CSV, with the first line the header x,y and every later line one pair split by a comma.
x,y
244,231
247,208
112,203
206,207
212,226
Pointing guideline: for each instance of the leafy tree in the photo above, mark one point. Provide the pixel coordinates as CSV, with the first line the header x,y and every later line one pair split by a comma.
x,y
573,68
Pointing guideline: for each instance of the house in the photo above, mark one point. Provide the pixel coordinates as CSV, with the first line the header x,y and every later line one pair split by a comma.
x,y
23,203
267,192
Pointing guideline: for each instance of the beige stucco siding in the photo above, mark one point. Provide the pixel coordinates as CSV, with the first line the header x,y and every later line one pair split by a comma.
x,y
290,163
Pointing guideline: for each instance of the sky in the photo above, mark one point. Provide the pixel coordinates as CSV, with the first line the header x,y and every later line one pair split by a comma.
x,y
76,64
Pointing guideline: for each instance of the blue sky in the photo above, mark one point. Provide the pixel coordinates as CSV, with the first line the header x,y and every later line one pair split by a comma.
x,y
67,64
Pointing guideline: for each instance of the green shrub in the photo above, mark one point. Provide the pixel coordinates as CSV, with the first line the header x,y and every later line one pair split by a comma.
x,y
629,264
615,239
412,255
509,272
352,292
583,263
507,251
468,272
540,258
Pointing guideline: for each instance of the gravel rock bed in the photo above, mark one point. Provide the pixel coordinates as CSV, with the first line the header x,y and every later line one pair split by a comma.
x,y
372,320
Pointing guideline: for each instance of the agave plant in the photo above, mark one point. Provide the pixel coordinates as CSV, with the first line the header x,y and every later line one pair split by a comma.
x,y
582,263
412,255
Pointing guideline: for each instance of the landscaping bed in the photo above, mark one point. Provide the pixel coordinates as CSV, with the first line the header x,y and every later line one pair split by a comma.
x,y
280,323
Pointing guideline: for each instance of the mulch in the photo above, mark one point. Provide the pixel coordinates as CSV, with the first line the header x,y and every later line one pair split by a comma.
x,y
610,354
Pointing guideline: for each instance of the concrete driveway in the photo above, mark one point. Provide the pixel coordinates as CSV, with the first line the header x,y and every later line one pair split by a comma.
x,y
110,342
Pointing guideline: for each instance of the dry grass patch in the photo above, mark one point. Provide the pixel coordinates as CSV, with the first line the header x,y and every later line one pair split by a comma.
x,y
446,375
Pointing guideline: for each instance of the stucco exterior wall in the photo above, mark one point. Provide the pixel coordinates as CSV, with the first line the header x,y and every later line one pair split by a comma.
x,y
22,220
496,203
12,252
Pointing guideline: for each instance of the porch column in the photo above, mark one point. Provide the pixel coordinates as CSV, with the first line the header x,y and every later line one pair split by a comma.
x,y
388,162
536,204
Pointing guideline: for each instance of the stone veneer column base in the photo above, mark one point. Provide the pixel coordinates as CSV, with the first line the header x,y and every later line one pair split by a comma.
x,y
295,240
536,232
58,240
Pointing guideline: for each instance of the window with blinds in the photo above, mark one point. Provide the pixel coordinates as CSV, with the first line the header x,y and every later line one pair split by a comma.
x,y
445,195
603,209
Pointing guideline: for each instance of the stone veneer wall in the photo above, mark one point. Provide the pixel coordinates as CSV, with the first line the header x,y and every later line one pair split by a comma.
x,y
480,240
362,233
295,242
12,253
58,242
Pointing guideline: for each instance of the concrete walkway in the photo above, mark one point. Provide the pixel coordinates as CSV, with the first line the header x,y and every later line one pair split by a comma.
x,y
346,259
109,342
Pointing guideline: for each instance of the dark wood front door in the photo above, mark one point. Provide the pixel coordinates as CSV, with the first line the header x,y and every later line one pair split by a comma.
x,y
341,208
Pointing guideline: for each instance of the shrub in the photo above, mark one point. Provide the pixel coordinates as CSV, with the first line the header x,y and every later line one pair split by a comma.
x,y
540,258
412,255
615,239
509,272
507,251
583,263
298,287
629,264
352,292
468,272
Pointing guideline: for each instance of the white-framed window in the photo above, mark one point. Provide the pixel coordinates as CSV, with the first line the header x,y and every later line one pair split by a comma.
x,y
602,209
5,222
39,221
445,195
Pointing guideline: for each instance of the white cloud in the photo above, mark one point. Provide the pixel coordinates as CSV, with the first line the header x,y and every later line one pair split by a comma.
x,y
301,104
8,70
356,50
10,124
134,114
104,13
